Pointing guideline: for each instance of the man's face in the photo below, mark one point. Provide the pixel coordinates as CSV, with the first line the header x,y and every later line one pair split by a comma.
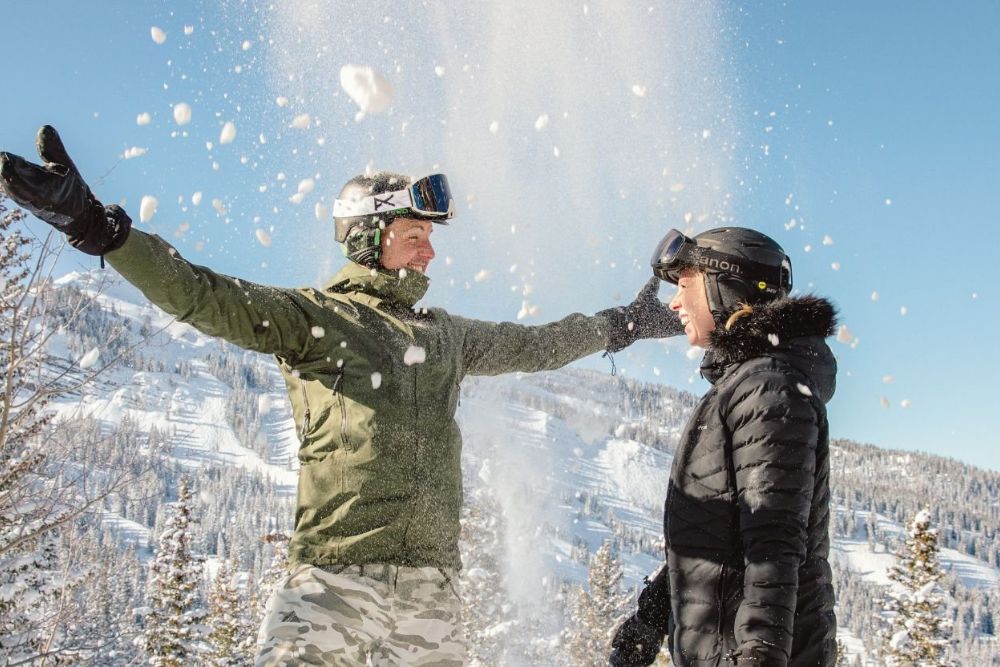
x,y
406,244
691,304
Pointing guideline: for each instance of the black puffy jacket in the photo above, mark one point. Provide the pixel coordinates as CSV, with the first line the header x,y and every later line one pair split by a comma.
x,y
747,512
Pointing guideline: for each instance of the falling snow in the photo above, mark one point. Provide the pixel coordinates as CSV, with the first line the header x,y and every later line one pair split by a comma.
x,y
366,87
182,113
414,355
90,358
147,208
228,133
321,212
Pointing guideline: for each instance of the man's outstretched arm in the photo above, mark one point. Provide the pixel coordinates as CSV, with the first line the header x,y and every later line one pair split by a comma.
x,y
256,317
492,348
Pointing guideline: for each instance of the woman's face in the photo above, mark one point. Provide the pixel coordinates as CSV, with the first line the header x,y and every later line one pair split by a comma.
x,y
691,304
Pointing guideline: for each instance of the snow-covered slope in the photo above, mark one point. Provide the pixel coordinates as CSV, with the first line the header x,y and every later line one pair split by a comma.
x,y
190,406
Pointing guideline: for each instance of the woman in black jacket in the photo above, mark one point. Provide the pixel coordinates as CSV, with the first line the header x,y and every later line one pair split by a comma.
x,y
746,579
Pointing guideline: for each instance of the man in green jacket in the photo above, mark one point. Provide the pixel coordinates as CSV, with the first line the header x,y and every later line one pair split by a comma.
x,y
374,385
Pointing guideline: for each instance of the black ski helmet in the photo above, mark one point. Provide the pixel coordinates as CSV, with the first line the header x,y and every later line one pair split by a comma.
x,y
740,265
360,215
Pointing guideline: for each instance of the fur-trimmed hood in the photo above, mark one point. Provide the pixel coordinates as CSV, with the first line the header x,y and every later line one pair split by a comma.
x,y
791,328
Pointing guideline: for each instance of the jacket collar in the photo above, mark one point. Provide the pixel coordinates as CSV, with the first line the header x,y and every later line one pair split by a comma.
x,y
381,283
791,328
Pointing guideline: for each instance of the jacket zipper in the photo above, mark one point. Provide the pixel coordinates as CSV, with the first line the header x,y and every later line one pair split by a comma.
x,y
720,596
305,413
343,408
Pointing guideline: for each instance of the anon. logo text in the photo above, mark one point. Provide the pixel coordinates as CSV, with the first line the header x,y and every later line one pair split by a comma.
x,y
720,264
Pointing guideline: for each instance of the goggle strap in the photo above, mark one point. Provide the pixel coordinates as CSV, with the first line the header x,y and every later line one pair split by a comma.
x,y
429,189
719,262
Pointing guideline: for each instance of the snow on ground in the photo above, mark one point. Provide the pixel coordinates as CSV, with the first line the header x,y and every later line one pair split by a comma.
x,y
874,566
635,473
128,533
193,410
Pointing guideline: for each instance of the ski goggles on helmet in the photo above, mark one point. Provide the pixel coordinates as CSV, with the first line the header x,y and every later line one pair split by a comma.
x,y
676,252
428,197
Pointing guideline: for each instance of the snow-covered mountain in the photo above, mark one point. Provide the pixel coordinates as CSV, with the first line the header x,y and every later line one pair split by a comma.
x,y
568,459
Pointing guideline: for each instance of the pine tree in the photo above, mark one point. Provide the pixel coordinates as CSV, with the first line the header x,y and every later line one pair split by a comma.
x,y
27,550
486,611
224,606
261,593
918,634
50,477
595,615
173,634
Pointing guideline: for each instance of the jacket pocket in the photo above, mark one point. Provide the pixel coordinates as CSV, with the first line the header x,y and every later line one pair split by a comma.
x,y
338,392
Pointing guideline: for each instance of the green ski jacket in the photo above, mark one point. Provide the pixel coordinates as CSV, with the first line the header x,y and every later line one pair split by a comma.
x,y
374,386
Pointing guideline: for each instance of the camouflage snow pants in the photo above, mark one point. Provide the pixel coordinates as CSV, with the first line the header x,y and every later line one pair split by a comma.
x,y
363,615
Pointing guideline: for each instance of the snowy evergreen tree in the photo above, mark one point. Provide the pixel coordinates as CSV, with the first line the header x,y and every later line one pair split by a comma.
x,y
28,551
40,476
919,634
224,611
261,593
595,615
486,611
173,635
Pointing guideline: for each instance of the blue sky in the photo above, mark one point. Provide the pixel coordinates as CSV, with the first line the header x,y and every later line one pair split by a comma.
x,y
575,135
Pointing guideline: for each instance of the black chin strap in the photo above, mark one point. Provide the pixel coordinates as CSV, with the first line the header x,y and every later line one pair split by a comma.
x,y
714,295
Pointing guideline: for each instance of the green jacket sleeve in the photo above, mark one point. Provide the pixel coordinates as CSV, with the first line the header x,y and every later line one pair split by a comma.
x,y
492,348
256,317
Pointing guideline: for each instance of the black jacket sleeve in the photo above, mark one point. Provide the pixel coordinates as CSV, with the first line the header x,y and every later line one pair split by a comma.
x,y
654,601
775,430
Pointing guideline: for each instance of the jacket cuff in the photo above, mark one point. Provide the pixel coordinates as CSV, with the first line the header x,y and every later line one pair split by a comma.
x,y
105,229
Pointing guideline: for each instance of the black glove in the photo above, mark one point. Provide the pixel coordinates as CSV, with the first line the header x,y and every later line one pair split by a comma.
x,y
646,317
638,640
56,193
635,644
